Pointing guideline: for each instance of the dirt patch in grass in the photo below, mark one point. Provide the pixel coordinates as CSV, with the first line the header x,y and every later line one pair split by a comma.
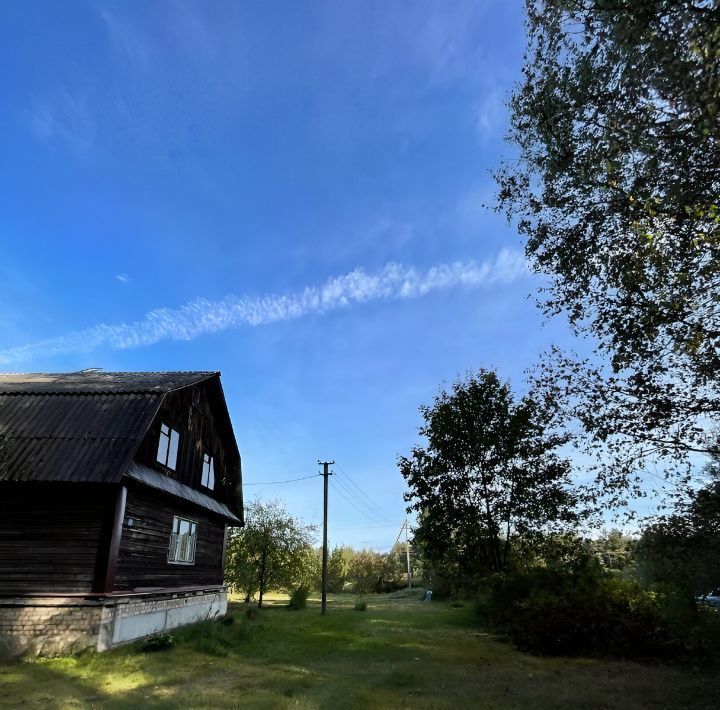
x,y
400,653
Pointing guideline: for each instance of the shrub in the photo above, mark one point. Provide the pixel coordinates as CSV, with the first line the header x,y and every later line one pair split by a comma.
x,y
298,599
360,605
550,612
158,642
219,638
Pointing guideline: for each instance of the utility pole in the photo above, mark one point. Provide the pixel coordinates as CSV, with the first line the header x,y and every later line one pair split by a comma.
x,y
407,554
325,474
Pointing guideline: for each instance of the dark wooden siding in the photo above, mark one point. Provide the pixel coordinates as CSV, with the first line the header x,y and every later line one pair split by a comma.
x,y
190,412
50,535
142,560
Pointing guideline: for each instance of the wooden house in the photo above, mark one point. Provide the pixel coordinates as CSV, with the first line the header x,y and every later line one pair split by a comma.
x,y
116,493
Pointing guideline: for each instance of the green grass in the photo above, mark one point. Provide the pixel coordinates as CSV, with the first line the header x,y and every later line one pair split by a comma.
x,y
399,653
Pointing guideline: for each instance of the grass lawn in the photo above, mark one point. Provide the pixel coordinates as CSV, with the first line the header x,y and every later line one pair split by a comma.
x,y
399,653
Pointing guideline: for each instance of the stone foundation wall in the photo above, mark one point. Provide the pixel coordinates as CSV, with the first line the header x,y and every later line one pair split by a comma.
x,y
54,625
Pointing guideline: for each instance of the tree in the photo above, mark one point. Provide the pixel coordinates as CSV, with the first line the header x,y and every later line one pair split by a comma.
x,y
617,121
273,551
615,550
683,548
374,571
339,562
490,472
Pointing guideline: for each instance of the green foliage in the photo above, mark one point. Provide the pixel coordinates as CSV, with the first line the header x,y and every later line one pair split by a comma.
x,y
339,561
298,599
615,550
490,474
273,550
573,614
158,642
683,548
616,192
360,605
568,601
219,638
374,572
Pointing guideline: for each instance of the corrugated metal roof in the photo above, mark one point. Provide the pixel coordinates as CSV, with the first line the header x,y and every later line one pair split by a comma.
x,y
79,426
71,437
162,482
87,426
96,381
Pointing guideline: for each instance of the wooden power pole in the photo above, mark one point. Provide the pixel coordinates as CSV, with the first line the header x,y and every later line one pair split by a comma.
x,y
407,554
325,474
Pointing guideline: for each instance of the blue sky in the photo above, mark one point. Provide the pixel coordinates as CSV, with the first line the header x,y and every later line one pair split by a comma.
x,y
291,193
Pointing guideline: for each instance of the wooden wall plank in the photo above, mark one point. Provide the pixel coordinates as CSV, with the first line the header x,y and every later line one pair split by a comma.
x,y
49,536
142,558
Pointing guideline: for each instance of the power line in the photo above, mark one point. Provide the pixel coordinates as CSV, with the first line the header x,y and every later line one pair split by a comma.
x,y
347,493
376,512
365,507
274,483
363,527
362,493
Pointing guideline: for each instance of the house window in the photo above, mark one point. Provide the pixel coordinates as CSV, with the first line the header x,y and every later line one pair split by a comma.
x,y
183,538
208,472
168,446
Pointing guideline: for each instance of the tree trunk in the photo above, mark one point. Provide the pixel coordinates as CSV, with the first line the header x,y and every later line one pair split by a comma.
x,y
262,577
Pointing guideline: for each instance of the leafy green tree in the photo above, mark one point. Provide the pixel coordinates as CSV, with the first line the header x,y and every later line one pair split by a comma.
x,y
273,551
374,571
490,473
615,550
339,562
615,188
683,548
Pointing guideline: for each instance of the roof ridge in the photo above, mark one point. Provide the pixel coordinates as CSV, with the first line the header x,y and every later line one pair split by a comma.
x,y
99,382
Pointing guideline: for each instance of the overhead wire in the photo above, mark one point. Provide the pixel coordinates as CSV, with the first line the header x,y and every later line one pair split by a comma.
x,y
366,509
352,493
353,502
275,483
362,493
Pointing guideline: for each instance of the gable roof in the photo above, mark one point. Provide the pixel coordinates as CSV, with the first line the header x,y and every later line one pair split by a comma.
x,y
80,426
98,382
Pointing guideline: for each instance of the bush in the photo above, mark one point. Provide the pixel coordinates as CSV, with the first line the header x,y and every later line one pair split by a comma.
x,y
547,612
219,638
158,642
298,599
360,605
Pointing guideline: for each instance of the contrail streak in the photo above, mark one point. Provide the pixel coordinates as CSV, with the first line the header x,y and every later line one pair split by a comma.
x,y
200,316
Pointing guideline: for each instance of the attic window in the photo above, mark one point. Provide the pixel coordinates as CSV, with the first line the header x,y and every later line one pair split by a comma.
x,y
168,446
208,472
183,539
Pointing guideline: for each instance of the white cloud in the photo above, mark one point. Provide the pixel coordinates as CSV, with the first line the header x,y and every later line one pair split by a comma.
x,y
491,114
201,316
122,278
126,40
63,115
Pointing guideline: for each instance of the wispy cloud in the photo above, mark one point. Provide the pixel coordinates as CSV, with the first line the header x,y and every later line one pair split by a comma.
x,y
63,115
122,278
128,42
201,316
491,114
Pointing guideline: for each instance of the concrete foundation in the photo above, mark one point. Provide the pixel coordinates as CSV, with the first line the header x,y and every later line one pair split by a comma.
x,y
51,626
